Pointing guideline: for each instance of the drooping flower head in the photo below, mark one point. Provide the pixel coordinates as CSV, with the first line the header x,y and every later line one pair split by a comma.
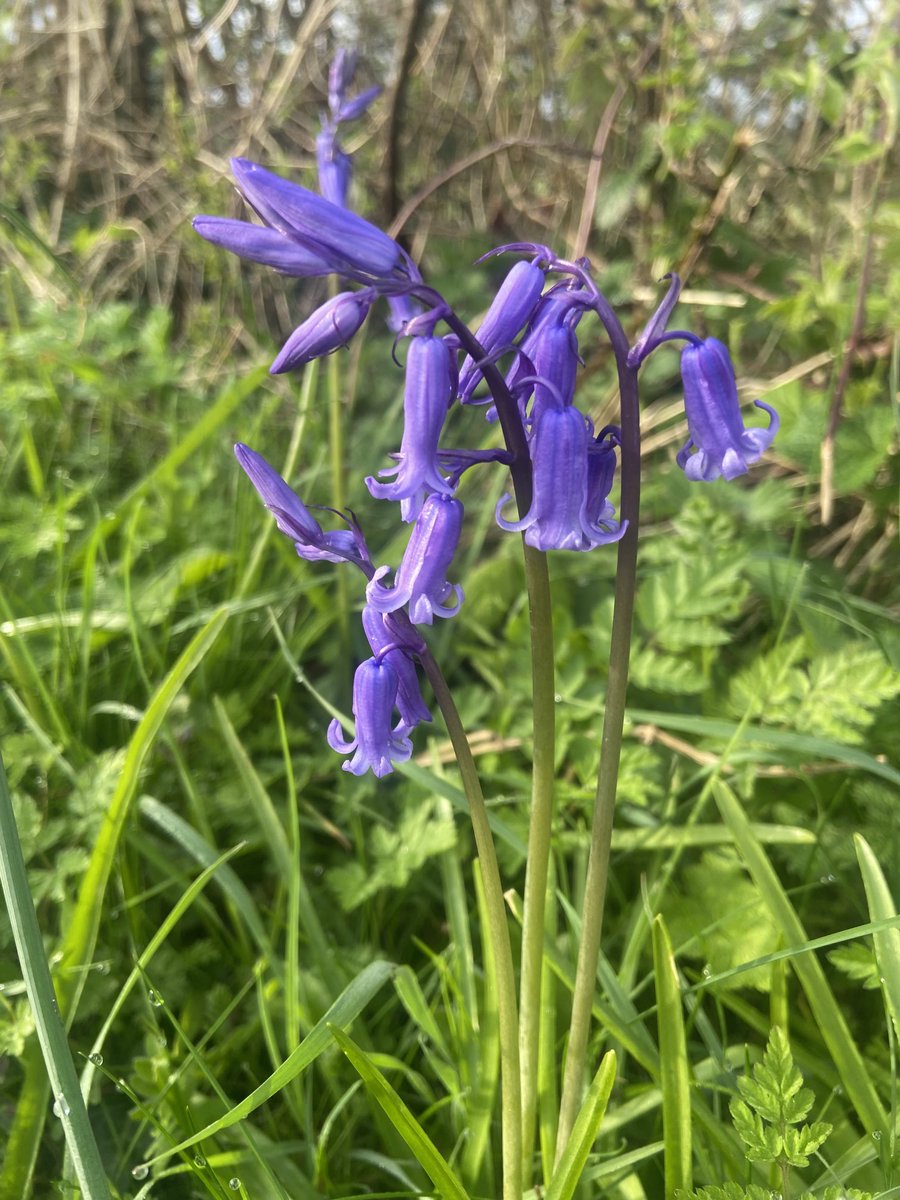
x,y
382,632
421,579
338,241
427,396
328,328
294,518
567,511
722,446
378,743
507,314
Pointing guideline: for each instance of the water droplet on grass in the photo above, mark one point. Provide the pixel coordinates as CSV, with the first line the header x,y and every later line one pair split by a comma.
x,y
199,1161
60,1107
96,1059
140,1172
154,998
234,1183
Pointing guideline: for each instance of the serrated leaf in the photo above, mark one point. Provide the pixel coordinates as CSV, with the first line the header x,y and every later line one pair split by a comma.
x,y
796,1108
857,962
762,1099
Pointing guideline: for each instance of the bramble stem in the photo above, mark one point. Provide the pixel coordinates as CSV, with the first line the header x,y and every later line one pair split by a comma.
x,y
498,932
597,878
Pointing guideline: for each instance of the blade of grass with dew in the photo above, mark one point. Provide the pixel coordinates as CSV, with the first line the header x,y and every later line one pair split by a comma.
x,y
570,1168
887,941
146,956
81,935
673,1065
423,1148
193,1053
345,1009
854,1076
69,1105
197,848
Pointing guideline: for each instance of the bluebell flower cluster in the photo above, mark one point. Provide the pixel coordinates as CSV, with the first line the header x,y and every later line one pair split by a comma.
x,y
532,328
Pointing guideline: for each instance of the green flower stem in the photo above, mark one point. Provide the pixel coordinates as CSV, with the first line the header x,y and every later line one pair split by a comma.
x,y
610,750
69,1105
543,687
498,932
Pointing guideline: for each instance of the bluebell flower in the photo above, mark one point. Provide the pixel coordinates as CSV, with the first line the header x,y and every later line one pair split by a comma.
x,y
382,632
333,165
294,518
722,446
261,244
564,513
334,236
507,314
378,744
427,395
601,472
330,327
420,581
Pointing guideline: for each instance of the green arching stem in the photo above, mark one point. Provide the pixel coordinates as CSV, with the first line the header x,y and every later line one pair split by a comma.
x,y
498,931
543,688
543,683
611,741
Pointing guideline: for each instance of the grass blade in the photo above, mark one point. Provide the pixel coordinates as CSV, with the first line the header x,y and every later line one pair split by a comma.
x,y
887,941
569,1170
69,1105
854,1075
345,1009
426,1153
81,935
673,1065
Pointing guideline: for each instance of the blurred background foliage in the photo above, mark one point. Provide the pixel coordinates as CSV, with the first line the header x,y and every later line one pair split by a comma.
x,y
752,147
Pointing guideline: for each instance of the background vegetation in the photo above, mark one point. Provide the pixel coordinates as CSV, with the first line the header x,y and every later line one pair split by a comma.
x,y
750,146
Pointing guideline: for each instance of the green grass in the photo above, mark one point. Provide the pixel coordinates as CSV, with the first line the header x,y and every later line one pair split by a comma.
x,y
220,903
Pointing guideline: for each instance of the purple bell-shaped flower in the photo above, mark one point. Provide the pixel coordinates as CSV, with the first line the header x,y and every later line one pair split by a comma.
x,y
427,396
421,581
563,513
330,327
722,445
378,743
381,633
294,518
509,311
